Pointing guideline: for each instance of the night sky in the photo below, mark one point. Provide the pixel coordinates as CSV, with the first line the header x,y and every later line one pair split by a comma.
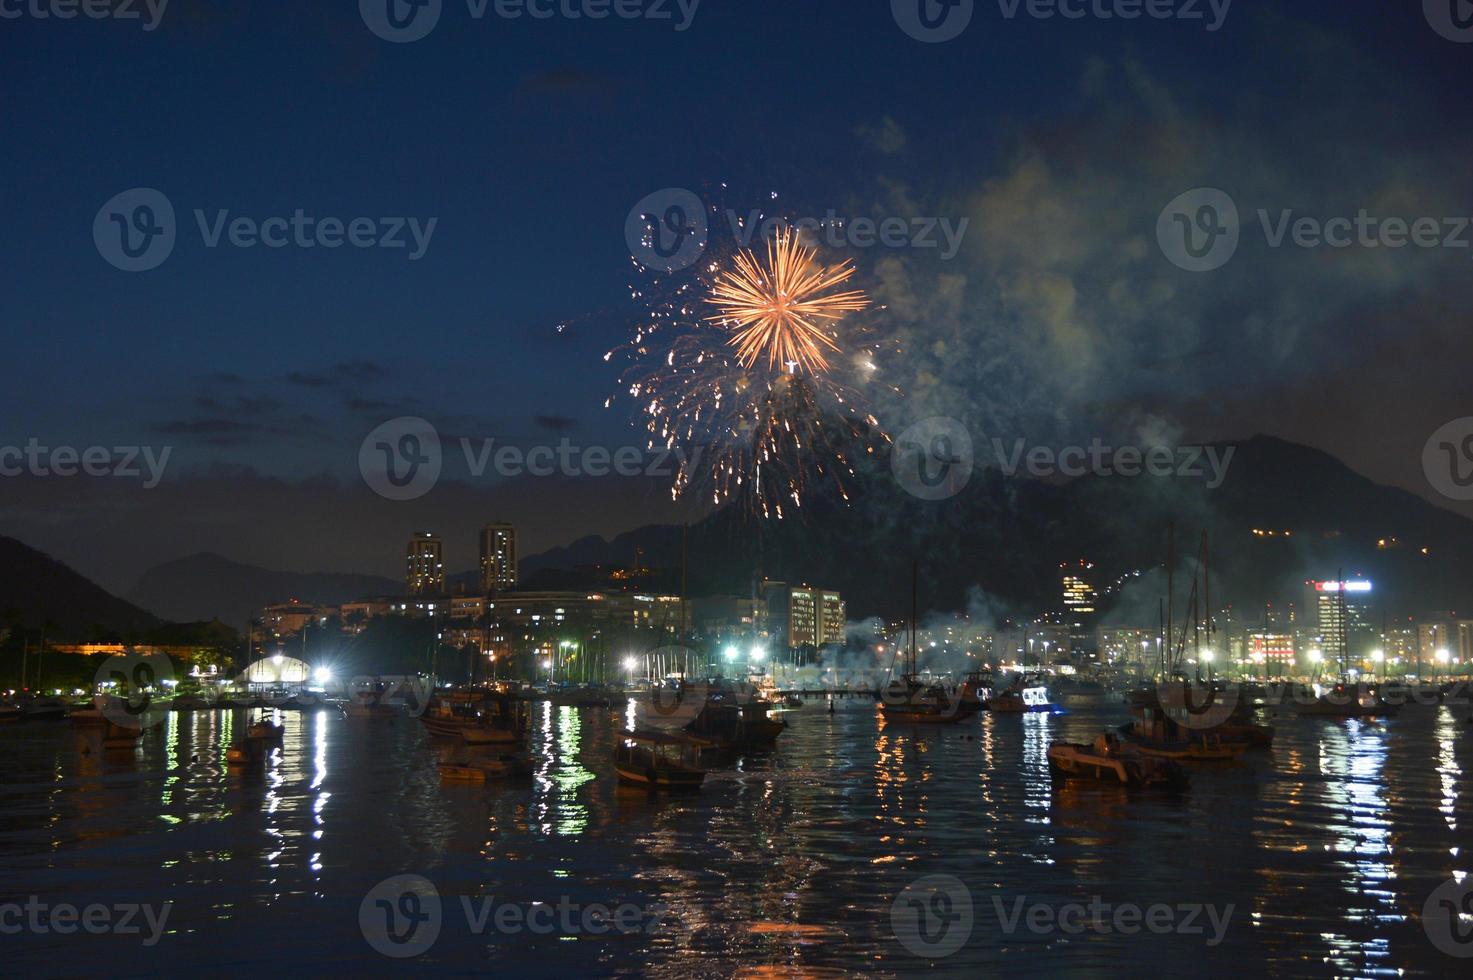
x,y
529,141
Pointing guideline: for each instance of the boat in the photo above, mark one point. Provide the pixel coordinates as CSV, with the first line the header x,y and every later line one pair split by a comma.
x,y
264,729
10,712
45,709
369,703
578,697
977,691
1348,699
1025,694
477,717
659,760
792,701
1155,734
671,705
908,701
479,770
1107,760
190,702
737,720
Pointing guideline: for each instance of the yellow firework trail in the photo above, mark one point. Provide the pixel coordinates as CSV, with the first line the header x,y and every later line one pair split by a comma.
x,y
783,310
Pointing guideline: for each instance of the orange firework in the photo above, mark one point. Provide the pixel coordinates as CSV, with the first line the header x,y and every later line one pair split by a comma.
x,y
783,309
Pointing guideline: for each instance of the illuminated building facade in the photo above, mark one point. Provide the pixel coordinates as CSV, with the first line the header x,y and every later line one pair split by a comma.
x,y
1344,617
498,558
425,561
800,616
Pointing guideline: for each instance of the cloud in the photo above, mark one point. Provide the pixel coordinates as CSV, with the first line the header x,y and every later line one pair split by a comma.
x,y
347,372
555,423
885,137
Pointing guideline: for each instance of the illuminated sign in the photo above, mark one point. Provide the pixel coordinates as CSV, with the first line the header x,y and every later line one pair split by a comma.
x,y
1347,586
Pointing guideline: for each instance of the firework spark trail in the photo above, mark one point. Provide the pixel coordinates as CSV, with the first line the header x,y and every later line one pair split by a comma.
x,y
783,309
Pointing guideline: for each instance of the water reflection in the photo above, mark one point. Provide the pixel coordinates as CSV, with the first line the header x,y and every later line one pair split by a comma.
x,y
785,862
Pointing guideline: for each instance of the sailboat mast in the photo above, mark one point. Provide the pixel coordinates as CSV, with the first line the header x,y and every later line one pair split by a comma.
x,y
1166,655
915,571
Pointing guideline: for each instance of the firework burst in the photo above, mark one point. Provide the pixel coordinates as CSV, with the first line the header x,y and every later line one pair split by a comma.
x,y
783,311
762,398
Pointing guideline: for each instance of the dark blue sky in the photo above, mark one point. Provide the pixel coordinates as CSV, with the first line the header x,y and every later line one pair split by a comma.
x,y
530,140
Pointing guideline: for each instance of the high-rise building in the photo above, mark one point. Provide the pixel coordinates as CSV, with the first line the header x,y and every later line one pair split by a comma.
x,y
498,558
803,617
425,560
1345,622
1080,601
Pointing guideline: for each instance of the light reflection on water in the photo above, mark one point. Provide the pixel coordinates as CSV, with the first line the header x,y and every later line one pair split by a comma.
x,y
1327,847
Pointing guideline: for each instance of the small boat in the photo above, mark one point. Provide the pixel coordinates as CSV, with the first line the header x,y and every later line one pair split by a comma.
x,y
907,701
792,701
659,760
1155,734
578,697
1349,700
265,730
45,709
1023,695
738,725
190,702
1109,761
481,769
977,689
477,717
238,754
10,712
369,702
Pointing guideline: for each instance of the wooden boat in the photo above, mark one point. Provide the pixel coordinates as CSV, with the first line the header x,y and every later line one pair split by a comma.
x,y
479,770
477,717
578,697
659,760
1178,746
1109,761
